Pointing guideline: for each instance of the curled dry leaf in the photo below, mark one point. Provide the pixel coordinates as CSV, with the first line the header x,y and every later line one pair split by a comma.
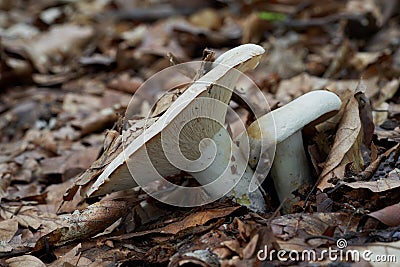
x,y
98,121
251,247
390,215
376,161
79,225
381,185
346,147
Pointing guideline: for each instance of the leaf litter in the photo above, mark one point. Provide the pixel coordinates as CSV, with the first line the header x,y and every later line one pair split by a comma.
x,y
67,73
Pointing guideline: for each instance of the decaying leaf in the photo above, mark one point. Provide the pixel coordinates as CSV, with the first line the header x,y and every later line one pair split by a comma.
x,y
381,185
60,41
390,215
8,228
72,258
376,161
193,220
346,147
80,225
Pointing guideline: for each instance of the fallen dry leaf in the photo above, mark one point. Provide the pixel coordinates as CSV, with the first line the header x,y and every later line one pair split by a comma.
x,y
60,41
389,215
195,219
346,147
375,162
381,185
291,230
8,228
79,225
72,257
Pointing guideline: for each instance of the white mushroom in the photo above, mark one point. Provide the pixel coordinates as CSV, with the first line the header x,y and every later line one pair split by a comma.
x,y
190,136
290,167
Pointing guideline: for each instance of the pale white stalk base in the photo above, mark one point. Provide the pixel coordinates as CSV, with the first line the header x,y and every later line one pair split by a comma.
x,y
228,167
290,169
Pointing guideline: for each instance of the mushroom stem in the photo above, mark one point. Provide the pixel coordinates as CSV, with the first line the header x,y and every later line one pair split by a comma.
x,y
290,168
230,169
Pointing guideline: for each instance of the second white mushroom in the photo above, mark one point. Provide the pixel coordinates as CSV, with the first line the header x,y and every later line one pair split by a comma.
x,y
290,168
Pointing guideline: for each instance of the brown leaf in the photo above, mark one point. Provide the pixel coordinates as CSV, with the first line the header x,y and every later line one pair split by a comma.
x,y
234,246
292,230
375,186
125,83
79,225
250,248
254,28
54,198
71,163
376,161
26,192
98,121
195,219
8,228
346,147
389,215
207,18
76,103
60,40
365,110
72,257
34,218
244,229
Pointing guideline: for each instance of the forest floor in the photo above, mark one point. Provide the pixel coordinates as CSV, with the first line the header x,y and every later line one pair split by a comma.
x,y
69,69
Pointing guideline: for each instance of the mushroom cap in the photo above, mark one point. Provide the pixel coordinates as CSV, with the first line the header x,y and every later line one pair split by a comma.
x,y
144,158
287,120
